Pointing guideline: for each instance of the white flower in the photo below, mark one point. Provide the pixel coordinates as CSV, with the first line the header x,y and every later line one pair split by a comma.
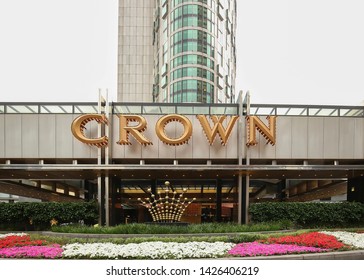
x,y
349,238
147,250
12,234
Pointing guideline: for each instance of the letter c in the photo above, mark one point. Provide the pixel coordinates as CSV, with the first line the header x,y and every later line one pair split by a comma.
x,y
79,125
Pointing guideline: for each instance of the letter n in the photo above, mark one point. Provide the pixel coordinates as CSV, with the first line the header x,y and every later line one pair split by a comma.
x,y
255,123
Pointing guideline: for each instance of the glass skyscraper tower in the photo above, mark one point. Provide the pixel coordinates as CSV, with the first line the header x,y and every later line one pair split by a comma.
x,y
177,51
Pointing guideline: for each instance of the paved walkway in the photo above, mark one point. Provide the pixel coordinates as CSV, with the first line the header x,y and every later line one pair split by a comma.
x,y
342,255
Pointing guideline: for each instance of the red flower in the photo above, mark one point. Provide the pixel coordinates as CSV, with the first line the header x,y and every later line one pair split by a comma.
x,y
19,241
312,239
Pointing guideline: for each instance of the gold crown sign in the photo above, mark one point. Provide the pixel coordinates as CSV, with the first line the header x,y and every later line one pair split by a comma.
x,y
168,207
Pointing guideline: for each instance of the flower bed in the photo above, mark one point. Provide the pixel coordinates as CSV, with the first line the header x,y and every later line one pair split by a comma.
x,y
252,249
22,246
350,238
312,239
19,241
48,252
12,234
147,250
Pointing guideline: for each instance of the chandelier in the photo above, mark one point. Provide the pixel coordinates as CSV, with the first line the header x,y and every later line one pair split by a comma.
x,y
166,207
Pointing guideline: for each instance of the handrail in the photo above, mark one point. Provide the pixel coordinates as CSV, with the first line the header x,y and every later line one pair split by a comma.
x,y
181,108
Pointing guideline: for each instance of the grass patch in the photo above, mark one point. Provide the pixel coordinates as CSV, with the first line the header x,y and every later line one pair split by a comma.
x,y
180,239
189,229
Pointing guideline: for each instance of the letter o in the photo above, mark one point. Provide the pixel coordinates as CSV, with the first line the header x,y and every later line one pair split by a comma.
x,y
162,123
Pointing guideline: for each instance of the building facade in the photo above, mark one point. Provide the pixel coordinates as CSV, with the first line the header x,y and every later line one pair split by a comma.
x,y
224,155
177,51
135,50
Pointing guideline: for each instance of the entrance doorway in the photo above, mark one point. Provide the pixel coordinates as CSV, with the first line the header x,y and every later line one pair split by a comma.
x,y
216,200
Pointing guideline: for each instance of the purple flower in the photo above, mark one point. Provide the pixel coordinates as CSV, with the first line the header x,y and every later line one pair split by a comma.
x,y
259,249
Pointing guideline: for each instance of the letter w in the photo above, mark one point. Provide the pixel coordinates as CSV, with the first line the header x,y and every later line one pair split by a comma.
x,y
218,128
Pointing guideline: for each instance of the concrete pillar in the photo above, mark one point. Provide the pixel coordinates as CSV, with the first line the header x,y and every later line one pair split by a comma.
x,y
243,199
218,212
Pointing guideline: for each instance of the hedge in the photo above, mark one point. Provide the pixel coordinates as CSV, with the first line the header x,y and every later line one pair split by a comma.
x,y
309,213
35,215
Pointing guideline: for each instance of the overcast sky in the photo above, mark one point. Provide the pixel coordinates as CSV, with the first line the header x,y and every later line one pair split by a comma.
x,y
289,51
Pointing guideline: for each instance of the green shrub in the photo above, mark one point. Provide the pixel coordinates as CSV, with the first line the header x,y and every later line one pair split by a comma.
x,y
309,214
11,212
34,215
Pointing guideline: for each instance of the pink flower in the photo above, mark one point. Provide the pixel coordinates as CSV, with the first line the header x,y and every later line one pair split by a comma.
x,y
49,252
259,249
